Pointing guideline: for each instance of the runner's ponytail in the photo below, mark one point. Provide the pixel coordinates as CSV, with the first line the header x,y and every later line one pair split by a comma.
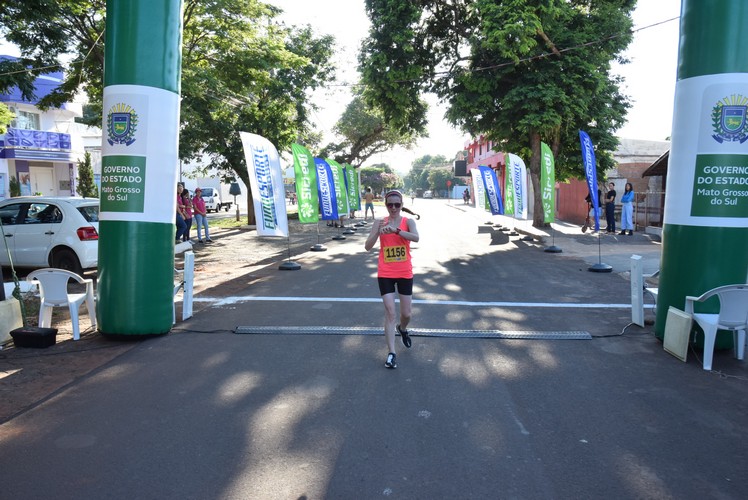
x,y
411,212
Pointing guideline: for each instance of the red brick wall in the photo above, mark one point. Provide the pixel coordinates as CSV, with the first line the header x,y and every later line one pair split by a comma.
x,y
570,200
632,172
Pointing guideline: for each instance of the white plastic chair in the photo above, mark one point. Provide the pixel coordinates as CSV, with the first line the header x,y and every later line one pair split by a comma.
x,y
53,292
732,316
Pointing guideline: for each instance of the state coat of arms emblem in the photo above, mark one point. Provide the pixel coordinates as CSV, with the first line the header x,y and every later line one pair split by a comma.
x,y
122,123
729,122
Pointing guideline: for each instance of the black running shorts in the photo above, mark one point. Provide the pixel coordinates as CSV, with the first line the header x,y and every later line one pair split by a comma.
x,y
387,285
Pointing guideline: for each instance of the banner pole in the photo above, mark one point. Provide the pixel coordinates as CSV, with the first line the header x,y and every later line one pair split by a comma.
x,y
600,267
318,247
553,248
289,265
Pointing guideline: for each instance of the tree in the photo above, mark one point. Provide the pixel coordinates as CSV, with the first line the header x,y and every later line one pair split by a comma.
x,y
438,178
241,71
6,117
45,30
517,71
379,177
421,168
364,133
15,187
86,185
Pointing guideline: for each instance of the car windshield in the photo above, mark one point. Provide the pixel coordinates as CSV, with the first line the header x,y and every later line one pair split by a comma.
x,y
207,191
90,212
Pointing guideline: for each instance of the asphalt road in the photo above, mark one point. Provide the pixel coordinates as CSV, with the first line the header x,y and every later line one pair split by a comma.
x,y
208,413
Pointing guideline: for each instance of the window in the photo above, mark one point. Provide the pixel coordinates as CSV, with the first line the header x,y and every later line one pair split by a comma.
x,y
26,120
90,212
10,214
42,213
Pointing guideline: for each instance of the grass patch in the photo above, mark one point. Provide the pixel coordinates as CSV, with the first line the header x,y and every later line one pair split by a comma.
x,y
232,223
228,223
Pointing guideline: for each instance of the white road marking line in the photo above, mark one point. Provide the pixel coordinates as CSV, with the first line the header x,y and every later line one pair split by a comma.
x,y
223,301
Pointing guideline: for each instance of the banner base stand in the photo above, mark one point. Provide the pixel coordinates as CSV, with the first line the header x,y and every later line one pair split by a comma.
x,y
289,266
528,238
553,249
338,237
349,231
318,247
600,268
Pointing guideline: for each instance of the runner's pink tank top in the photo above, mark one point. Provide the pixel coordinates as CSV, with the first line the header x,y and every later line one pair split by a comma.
x,y
394,254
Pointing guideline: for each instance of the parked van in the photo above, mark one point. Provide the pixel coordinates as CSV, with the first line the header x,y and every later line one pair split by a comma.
x,y
213,200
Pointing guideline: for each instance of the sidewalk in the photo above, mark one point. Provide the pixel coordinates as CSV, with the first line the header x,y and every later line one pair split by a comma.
x,y
612,249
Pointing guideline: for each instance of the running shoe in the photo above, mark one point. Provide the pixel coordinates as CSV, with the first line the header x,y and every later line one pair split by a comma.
x,y
405,336
390,363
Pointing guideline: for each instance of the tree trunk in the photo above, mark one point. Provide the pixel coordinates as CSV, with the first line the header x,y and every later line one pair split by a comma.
x,y
537,214
250,202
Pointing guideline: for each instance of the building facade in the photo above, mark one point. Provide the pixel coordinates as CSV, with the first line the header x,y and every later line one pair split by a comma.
x,y
40,149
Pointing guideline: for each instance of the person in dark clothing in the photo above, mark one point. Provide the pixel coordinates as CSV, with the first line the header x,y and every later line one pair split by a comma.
x,y
595,210
610,208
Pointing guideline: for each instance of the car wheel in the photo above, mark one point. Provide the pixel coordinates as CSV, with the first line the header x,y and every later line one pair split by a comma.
x,y
66,259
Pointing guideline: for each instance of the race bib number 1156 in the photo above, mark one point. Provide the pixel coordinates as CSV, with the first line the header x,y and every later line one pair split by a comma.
x,y
395,254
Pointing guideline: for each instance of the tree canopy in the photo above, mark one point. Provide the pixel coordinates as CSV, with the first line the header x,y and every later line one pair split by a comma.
x,y
379,177
518,72
5,118
364,133
242,70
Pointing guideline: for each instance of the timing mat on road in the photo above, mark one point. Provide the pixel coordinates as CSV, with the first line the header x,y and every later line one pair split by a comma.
x,y
226,301
353,330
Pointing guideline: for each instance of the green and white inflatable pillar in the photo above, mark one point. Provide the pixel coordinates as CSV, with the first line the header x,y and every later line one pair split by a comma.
x,y
139,169
705,230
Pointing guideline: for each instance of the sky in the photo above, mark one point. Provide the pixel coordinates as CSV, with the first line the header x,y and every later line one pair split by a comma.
x,y
649,77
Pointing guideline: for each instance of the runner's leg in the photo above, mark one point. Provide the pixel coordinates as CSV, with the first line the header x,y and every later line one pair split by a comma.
x,y
389,320
406,308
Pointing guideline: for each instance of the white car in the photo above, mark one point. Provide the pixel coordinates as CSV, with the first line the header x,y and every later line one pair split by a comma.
x,y
428,194
47,231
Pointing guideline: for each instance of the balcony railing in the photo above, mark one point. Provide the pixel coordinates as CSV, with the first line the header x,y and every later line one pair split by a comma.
x,y
36,139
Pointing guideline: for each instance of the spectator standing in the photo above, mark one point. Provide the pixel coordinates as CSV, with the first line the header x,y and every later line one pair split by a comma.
x,y
594,210
627,210
200,215
181,226
610,208
187,204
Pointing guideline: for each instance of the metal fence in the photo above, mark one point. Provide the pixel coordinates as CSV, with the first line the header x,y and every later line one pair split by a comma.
x,y
648,209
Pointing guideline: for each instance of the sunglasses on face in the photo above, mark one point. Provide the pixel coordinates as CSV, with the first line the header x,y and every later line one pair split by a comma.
x,y
394,205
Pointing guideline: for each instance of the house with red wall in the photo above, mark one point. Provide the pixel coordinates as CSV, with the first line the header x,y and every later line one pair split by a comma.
x,y
481,152
633,157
